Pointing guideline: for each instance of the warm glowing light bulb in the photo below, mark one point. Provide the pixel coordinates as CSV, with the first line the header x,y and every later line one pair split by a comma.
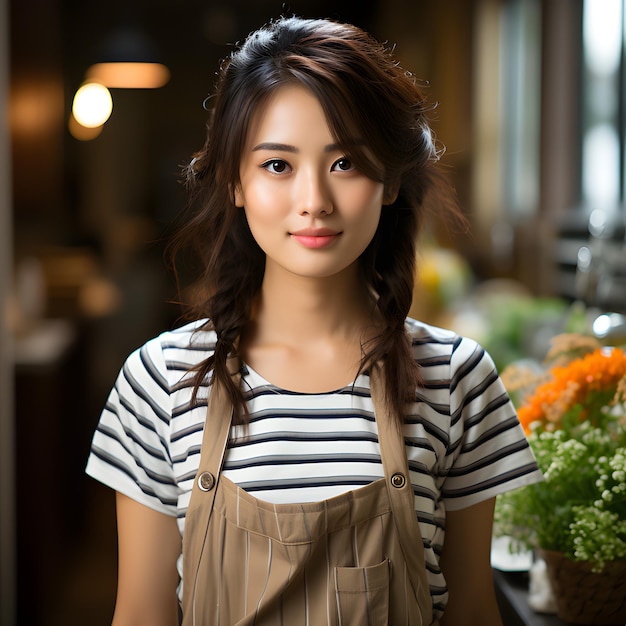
x,y
92,105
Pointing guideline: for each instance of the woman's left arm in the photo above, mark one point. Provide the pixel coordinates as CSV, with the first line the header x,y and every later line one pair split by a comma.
x,y
466,565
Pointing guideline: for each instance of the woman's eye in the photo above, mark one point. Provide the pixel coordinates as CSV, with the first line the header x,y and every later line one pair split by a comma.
x,y
276,166
343,165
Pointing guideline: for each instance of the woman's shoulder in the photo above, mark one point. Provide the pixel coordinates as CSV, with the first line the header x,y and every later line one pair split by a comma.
x,y
194,335
422,332
426,338
179,348
433,345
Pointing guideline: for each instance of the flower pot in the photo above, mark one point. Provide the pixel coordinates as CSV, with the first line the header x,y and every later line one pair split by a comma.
x,y
586,597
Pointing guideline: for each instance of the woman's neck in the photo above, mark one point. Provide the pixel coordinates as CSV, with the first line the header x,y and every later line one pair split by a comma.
x,y
291,305
307,334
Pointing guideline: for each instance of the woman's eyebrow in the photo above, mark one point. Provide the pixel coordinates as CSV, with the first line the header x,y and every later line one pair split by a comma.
x,y
280,147
284,147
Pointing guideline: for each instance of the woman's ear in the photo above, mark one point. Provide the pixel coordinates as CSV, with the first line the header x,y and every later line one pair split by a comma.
x,y
237,195
390,194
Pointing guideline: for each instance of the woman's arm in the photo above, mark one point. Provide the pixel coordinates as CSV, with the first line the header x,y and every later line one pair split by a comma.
x,y
466,564
149,544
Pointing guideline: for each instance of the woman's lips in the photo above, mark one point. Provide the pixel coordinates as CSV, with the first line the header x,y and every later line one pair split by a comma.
x,y
315,238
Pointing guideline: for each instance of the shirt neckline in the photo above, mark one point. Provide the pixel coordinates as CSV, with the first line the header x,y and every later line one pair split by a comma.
x,y
255,381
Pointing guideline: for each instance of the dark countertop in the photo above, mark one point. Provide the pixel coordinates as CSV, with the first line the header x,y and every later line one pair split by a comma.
x,y
512,592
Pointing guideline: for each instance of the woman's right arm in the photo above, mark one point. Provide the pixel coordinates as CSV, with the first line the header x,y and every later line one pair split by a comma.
x,y
149,545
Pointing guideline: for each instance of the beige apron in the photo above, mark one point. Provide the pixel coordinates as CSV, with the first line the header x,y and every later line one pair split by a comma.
x,y
356,559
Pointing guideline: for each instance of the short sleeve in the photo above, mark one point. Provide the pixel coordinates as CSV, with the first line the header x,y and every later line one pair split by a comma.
x,y
130,450
488,451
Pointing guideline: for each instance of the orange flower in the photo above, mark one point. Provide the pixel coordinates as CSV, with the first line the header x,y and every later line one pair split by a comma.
x,y
590,382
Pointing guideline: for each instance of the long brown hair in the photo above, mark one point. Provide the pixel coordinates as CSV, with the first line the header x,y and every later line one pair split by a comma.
x,y
364,93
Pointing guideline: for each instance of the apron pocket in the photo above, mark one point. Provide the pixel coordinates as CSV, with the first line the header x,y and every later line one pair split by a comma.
x,y
363,595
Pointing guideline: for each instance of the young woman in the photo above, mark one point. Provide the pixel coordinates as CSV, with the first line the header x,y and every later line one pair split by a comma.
x,y
301,453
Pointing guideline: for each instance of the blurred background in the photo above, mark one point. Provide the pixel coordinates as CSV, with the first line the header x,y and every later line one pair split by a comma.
x,y
532,114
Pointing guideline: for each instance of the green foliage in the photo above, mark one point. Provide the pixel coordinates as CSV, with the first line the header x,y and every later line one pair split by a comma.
x,y
580,507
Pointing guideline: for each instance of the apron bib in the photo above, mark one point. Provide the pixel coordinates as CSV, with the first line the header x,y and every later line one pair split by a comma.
x,y
353,560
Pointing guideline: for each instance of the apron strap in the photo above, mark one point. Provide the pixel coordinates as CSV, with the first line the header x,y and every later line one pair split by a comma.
x,y
214,440
400,489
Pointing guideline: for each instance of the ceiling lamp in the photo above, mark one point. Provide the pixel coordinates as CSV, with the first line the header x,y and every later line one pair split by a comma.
x,y
128,61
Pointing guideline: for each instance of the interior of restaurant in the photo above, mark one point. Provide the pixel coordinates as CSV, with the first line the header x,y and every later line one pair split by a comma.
x,y
531,112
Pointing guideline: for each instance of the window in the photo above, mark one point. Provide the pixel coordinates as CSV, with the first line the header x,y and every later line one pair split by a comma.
x,y
603,162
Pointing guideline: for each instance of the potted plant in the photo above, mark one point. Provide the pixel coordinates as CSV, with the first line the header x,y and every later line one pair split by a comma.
x,y
574,414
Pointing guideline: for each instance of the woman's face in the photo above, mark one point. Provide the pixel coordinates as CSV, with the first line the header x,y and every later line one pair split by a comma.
x,y
308,208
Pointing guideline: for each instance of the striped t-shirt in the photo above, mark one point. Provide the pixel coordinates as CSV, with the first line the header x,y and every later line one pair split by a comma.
x,y
463,441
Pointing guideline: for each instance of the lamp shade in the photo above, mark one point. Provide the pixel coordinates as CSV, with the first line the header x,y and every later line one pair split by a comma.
x,y
128,59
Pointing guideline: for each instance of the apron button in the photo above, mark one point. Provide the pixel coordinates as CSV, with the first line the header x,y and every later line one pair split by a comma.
x,y
206,481
398,481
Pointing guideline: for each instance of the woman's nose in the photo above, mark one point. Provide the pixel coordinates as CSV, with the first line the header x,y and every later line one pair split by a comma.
x,y
314,197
